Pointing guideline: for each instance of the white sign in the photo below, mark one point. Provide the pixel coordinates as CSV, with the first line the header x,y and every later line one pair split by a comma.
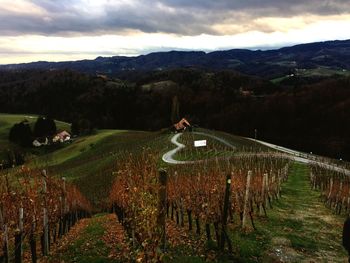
x,y
201,143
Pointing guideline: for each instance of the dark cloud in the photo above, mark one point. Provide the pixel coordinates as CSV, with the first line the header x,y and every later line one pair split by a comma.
x,y
152,18
267,7
169,16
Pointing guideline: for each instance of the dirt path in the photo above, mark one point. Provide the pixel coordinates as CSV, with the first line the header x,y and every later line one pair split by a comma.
x,y
168,157
301,228
98,239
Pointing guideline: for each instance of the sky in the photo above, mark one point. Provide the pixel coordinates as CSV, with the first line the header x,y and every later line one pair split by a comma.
x,y
59,30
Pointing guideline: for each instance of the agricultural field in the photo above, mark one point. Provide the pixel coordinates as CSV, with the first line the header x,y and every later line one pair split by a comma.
x,y
234,200
219,145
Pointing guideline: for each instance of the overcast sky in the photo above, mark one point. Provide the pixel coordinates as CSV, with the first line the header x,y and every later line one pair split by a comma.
x,y
55,30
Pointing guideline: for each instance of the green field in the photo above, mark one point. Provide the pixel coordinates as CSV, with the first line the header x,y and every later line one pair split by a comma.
x,y
8,120
6,123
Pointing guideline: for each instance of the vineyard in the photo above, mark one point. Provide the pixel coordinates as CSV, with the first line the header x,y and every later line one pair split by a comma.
x,y
93,168
334,187
222,194
36,208
219,144
214,148
228,195
203,198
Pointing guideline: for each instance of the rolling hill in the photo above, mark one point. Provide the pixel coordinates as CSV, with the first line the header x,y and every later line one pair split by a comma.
x,y
94,163
270,64
90,161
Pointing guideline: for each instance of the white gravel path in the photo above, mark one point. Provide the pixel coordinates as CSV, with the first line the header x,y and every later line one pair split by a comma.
x,y
168,157
297,156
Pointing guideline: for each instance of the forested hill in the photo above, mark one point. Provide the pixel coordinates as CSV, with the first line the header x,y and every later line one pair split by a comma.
x,y
319,58
303,115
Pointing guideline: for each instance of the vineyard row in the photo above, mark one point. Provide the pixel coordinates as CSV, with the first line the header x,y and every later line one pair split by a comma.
x,y
207,194
36,208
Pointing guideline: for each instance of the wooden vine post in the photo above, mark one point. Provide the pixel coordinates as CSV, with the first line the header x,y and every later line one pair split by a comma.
x,y
224,236
267,200
19,238
60,223
279,184
5,240
45,218
65,207
329,201
246,200
263,187
273,184
162,194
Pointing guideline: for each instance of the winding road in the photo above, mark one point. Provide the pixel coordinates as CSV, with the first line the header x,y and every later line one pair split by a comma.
x,y
293,155
168,157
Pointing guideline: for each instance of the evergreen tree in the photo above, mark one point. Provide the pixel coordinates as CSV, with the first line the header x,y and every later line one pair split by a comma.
x,y
44,127
21,134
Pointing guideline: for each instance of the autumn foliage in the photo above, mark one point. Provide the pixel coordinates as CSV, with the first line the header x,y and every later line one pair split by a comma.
x,y
33,191
334,187
195,196
134,196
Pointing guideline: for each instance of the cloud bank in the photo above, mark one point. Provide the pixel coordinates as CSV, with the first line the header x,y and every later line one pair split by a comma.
x,y
75,29
182,17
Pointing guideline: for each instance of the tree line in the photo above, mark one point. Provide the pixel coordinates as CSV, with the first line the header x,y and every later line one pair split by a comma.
x,y
305,114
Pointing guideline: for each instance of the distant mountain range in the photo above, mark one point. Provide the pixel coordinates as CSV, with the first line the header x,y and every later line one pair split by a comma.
x,y
329,55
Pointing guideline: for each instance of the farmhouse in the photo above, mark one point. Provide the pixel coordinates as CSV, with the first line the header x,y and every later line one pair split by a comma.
x,y
181,125
62,136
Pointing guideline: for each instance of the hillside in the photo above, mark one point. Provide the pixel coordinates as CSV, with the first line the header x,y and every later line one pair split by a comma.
x,y
90,161
6,123
311,116
94,162
269,64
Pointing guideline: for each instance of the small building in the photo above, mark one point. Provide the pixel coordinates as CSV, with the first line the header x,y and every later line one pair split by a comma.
x,y
181,125
62,136
40,142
